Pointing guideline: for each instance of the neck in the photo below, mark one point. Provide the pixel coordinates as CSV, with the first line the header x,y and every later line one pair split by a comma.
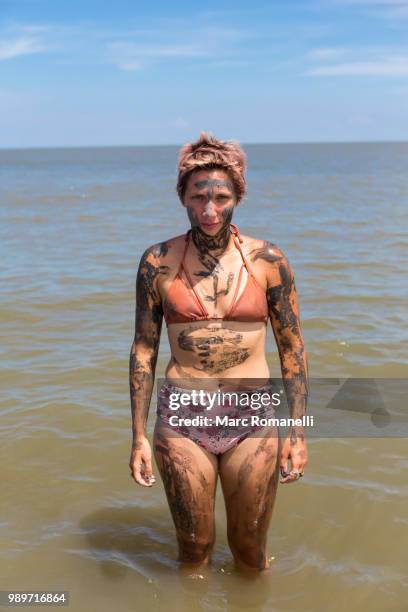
x,y
219,242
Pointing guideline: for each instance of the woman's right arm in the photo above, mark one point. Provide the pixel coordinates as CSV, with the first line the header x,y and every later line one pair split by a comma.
x,y
142,363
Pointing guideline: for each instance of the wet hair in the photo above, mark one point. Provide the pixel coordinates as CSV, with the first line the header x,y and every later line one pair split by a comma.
x,y
208,153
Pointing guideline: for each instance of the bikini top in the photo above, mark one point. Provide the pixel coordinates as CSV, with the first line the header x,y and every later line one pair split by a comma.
x,y
183,304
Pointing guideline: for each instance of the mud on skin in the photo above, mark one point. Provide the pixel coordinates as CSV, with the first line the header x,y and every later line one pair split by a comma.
x,y
248,526
284,315
192,517
217,352
209,251
267,252
148,323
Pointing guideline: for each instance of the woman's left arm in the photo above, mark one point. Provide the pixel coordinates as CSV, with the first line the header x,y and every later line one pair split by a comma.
x,y
284,316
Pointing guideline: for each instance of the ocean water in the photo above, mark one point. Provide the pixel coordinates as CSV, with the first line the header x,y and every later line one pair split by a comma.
x,y
73,225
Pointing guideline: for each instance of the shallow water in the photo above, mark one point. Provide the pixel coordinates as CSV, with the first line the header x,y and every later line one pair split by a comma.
x,y
73,226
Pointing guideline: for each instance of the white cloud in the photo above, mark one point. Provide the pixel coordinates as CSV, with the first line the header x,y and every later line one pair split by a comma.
x,y
390,66
20,46
155,51
326,53
128,48
214,42
129,65
393,9
133,57
33,29
228,64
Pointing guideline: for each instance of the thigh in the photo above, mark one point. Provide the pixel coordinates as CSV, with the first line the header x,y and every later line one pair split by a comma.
x,y
249,475
189,475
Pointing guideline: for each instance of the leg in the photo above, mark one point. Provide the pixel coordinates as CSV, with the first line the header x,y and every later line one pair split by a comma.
x,y
189,475
249,475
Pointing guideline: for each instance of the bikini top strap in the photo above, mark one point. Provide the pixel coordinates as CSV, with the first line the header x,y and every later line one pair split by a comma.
x,y
187,242
238,240
235,232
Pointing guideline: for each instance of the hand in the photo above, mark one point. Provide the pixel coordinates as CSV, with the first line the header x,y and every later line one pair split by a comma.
x,y
141,463
294,448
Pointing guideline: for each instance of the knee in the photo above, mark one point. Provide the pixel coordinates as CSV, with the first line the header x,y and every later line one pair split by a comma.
x,y
249,548
251,556
194,548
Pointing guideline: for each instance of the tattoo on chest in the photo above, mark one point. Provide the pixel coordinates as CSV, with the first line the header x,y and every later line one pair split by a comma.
x,y
217,292
215,271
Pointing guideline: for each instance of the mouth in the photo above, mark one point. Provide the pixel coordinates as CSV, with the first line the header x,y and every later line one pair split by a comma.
x,y
210,226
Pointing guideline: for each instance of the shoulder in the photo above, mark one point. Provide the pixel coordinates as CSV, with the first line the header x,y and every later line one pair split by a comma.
x,y
269,257
159,261
160,252
262,251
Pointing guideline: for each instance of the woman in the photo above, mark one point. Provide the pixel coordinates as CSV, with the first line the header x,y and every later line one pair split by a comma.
x,y
216,290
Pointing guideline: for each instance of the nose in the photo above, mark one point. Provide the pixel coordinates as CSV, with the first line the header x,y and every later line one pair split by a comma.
x,y
209,210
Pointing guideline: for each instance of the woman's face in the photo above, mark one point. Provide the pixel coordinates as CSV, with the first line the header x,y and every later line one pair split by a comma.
x,y
210,200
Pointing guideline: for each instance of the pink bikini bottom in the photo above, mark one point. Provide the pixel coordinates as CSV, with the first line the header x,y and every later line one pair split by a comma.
x,y
217,423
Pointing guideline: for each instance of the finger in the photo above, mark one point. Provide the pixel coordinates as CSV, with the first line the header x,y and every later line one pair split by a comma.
x,y
150,480
284,464
145,471
288,479
293,476
283,472
148,471
298,466
139,477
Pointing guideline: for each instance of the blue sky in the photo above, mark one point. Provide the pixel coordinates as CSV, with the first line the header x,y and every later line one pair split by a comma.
x,y
81,73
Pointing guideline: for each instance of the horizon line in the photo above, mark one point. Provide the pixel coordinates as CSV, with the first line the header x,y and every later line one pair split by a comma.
x,y
135,146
